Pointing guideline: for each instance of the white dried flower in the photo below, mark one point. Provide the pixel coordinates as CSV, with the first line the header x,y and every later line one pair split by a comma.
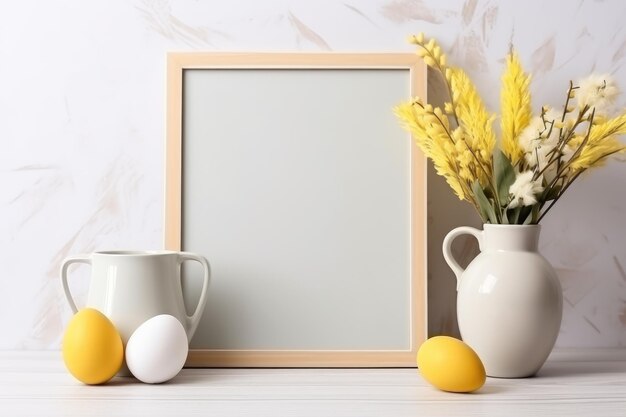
x,y
524,190
539,138
598,91
529,137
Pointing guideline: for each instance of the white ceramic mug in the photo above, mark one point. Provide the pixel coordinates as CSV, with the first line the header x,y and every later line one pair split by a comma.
x,y
130,287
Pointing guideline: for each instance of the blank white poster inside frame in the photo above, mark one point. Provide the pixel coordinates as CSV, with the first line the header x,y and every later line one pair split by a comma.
x,y
291,175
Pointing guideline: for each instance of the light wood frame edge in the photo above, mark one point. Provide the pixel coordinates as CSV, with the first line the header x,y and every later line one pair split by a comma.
x,y
176,64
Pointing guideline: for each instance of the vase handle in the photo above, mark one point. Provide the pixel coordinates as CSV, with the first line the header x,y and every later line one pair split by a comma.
x,y
77,259
193,320
447,248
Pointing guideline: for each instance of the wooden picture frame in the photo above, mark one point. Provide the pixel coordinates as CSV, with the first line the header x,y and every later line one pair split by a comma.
x,y
210,98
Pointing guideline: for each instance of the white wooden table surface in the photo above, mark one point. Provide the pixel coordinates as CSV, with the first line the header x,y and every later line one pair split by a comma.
x,y
36,384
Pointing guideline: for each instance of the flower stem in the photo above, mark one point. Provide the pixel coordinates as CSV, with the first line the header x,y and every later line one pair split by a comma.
x,y
606,155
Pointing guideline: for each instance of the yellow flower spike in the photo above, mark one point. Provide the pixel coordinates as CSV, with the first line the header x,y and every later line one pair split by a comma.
x,y
457,134
411,120
473,116
429,61
443,60
465,174
430,45
447,107
515,106
594,155
436,52
430,119
412,39
420,37
601,143
434,141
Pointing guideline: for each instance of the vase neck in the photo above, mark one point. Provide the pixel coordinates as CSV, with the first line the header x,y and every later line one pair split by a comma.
x,y
511,237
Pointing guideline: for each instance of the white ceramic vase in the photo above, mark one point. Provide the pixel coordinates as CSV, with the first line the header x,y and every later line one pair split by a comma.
x,y
510,302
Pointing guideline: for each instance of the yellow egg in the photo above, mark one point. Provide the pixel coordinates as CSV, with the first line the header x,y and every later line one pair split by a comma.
x,y
92,347
450,365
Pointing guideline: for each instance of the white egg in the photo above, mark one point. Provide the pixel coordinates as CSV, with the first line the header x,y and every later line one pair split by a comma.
x,y
157,350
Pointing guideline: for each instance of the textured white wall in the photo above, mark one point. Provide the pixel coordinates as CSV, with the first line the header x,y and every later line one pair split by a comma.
x,y
82,99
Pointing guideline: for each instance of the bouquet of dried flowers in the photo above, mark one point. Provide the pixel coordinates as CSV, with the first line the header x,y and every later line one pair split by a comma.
x,y
519,179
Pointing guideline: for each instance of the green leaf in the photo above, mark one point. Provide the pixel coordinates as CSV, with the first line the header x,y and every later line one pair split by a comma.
x,y
505,218
486,207
504,175
535,213
483,214
514,215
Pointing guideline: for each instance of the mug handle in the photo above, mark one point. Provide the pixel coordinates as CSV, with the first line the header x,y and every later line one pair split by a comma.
x,y
194,319
77,259
447,248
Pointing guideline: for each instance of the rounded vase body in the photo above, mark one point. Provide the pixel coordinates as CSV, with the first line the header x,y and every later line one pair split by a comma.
x,y
510,302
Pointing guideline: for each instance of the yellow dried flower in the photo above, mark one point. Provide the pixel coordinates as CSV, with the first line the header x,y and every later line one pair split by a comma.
x,y
436,52
601,143
515,106
475,120
429,61
429,129
540,156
